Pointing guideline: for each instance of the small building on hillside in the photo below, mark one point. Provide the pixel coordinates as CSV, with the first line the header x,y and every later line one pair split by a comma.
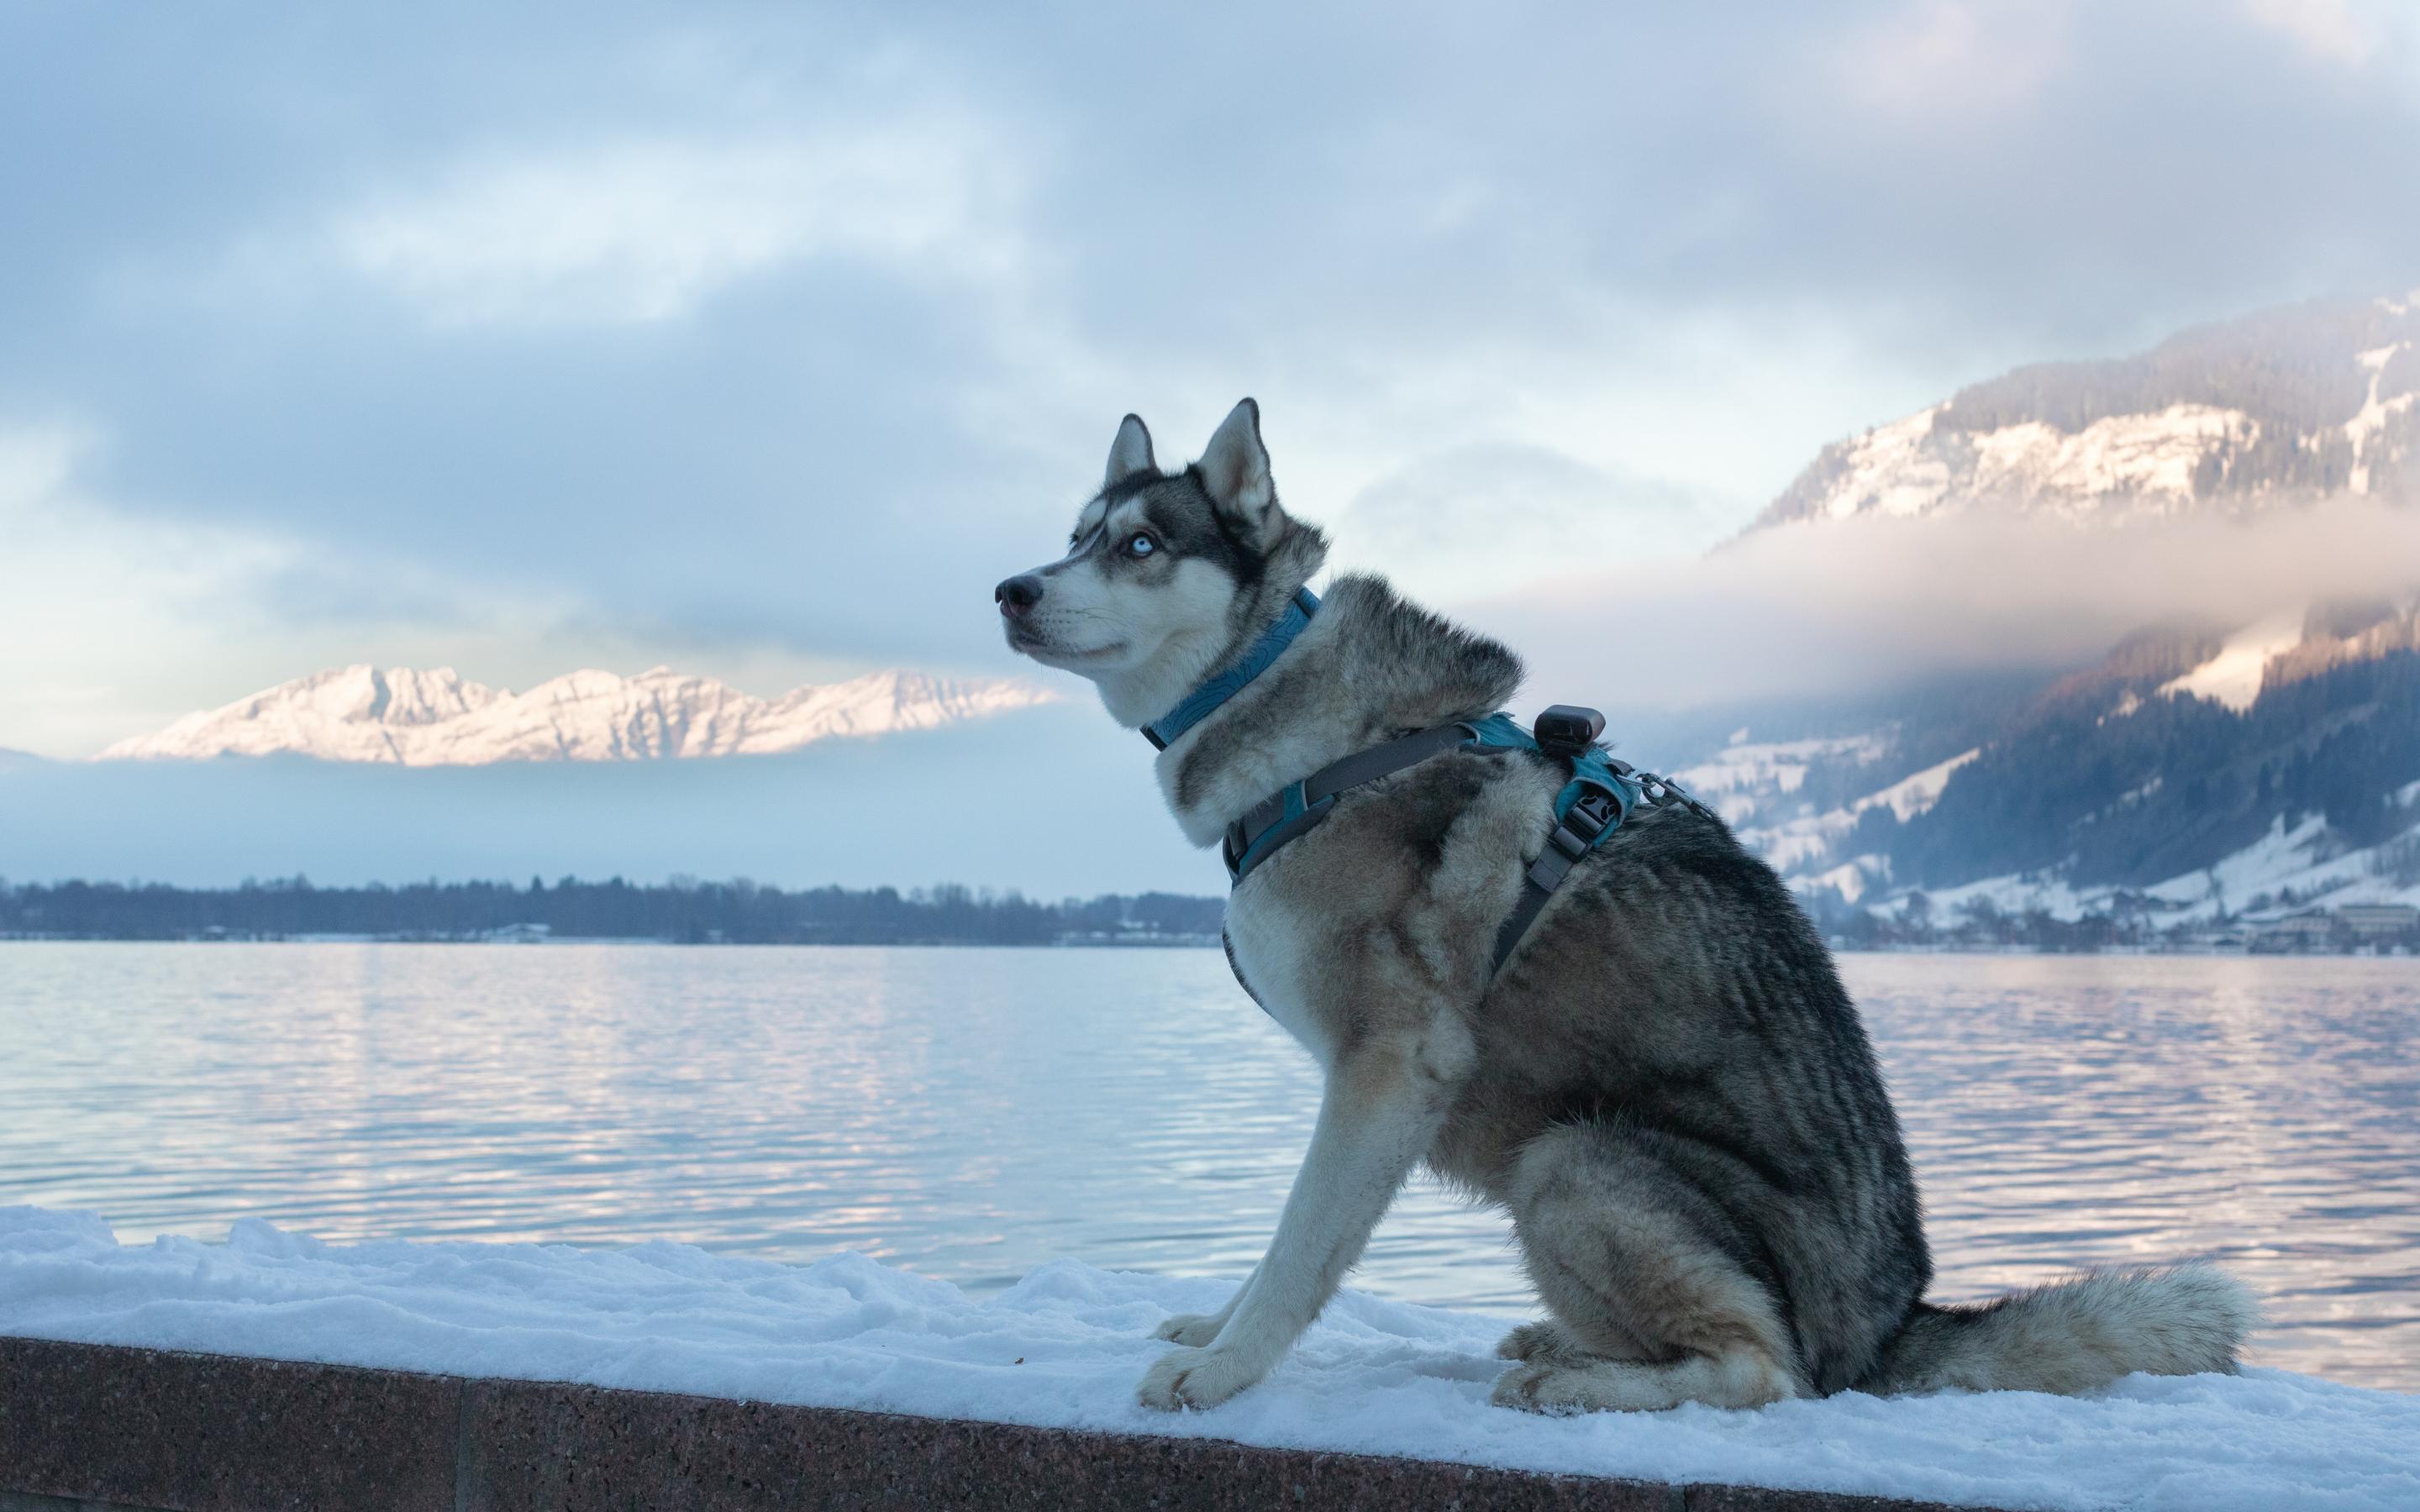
x,y
2313,929
2348,927
2380,922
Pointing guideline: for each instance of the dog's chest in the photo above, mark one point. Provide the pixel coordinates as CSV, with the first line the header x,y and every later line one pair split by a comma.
x,y
1280,962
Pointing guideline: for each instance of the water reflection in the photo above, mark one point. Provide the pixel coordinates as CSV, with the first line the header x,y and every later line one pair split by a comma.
x,y
2262,1111
974,1113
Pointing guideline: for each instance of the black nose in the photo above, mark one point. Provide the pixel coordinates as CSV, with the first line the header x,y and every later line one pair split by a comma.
x,y
1017,594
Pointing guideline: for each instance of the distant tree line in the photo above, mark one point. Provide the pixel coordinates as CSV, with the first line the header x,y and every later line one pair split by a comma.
x,y
682,910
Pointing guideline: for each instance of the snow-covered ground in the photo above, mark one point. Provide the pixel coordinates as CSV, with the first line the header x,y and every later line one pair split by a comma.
x,y
1064,1347
2296,859
1745,777
1794,842
2233,676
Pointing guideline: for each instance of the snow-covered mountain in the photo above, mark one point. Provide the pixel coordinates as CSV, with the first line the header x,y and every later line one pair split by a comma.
x,y
2197,770
2320,398
399,715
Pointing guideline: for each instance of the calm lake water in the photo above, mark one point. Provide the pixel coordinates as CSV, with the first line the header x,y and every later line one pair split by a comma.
x,y
969,1114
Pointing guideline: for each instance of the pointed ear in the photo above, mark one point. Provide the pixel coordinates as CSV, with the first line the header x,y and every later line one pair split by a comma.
x,y
1235,465
1130,453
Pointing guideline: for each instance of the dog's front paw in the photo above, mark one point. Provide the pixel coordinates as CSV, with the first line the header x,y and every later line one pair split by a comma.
x,y
1195,1377
1545,1387
1195,1329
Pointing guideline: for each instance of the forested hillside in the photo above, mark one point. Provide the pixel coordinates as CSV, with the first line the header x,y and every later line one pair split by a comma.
x,y
2135,790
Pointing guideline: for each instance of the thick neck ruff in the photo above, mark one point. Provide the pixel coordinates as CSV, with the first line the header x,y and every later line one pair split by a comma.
x,y
1368,667
1205,700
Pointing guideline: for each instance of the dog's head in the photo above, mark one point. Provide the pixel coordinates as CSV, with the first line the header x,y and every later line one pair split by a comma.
x,y
1167,576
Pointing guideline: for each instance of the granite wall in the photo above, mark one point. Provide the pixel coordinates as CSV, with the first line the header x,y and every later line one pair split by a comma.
x,y
101,1428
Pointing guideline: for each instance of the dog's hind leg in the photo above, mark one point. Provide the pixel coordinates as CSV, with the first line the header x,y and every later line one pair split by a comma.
x,y
1651,1307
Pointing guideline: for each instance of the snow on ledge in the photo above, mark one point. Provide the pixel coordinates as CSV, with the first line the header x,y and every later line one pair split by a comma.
x,y
1064,1347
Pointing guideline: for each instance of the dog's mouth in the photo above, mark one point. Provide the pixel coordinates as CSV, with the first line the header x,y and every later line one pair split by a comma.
x,y
1026,643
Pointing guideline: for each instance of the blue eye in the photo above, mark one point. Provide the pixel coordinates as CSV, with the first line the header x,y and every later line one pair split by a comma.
x,y
1142,545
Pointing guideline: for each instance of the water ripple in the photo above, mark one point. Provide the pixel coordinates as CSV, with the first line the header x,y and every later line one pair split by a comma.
x,y
974,1113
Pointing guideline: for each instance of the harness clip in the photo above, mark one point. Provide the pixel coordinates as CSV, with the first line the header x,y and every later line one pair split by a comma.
x,y
1659,789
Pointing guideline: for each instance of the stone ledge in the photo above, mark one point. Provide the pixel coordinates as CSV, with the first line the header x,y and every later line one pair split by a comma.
x,y
89,1428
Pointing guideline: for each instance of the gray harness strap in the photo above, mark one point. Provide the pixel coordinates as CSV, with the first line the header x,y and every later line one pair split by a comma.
x,y
1574,836
1292,811
1598,806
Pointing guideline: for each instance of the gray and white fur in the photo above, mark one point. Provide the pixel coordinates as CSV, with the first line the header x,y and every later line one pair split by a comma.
x,y
1667,1087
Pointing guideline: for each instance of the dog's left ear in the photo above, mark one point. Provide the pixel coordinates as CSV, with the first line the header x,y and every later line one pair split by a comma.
x,y
1236,466
1130,453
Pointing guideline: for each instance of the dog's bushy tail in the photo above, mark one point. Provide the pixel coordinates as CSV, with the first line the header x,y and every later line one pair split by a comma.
x,y
2074,1335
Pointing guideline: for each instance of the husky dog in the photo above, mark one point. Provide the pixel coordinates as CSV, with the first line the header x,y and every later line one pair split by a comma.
x,y
1665,1085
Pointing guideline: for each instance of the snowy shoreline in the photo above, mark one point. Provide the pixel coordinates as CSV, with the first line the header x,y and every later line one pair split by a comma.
x,y
1063,1348
1838,945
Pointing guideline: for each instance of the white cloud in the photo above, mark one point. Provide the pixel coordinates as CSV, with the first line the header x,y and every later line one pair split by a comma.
x,y
2331,31
1950,59
113,622
644,230
94,606
1482,521
35,461
1685,245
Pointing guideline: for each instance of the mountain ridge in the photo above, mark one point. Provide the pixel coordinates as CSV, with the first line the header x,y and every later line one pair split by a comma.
x,y
2274,408
408,717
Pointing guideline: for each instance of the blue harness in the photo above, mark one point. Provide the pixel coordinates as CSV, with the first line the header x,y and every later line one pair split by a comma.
x,y
1602,792
1205,700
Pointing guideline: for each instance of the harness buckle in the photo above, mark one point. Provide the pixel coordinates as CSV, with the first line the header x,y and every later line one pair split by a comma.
x,y
1591,814
1584,822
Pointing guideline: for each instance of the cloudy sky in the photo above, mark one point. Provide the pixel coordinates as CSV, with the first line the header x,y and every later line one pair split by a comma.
x,y
762,342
